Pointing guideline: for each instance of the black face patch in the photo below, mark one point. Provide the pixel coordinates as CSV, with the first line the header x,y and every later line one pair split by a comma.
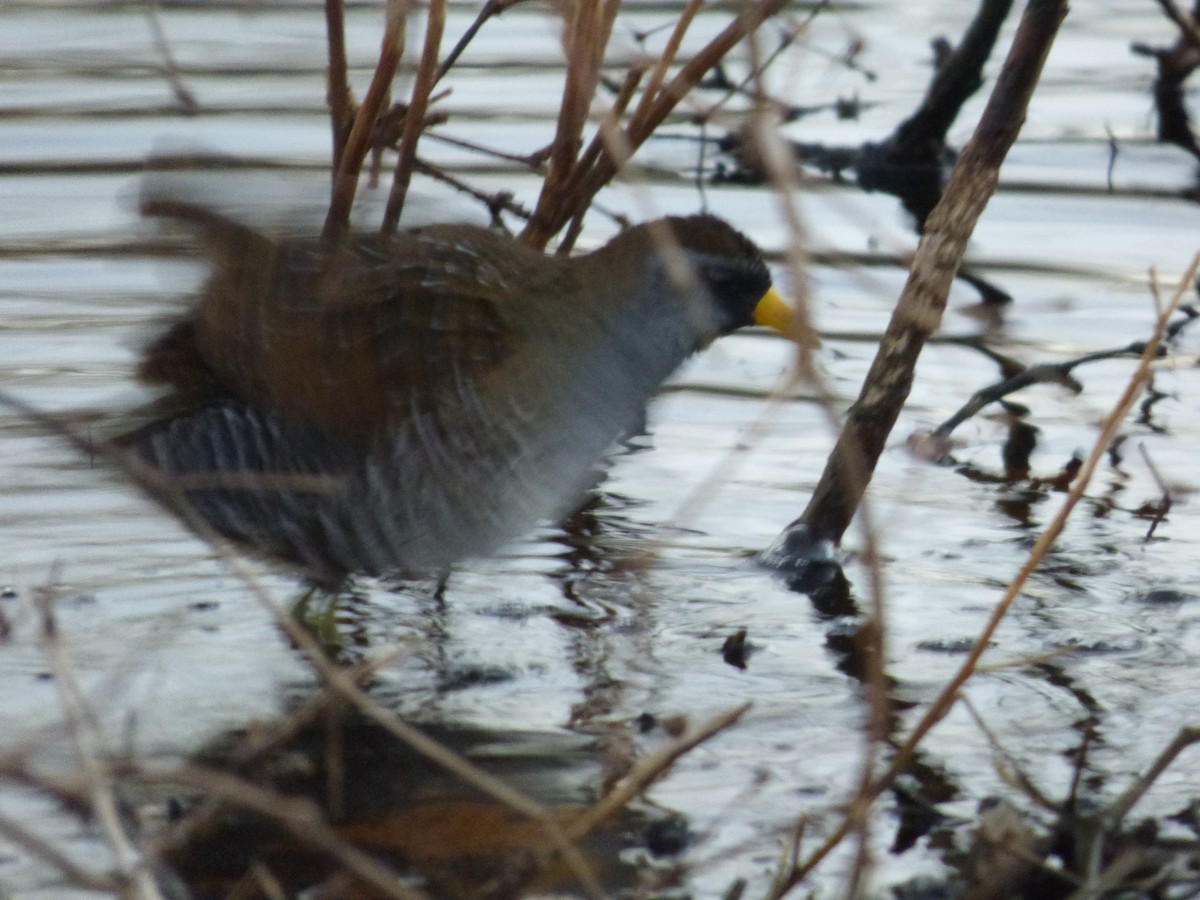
x,y
728,263
736,286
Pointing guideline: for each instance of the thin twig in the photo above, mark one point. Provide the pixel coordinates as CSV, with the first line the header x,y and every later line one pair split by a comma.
x,y
1044,373
649,770
1119,809
186,98
1187,25
491,9
667,57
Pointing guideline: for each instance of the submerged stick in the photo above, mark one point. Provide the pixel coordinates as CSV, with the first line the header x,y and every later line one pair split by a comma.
x,y
919,310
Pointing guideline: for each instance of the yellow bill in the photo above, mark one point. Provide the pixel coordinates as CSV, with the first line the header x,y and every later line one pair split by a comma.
x,y
773,312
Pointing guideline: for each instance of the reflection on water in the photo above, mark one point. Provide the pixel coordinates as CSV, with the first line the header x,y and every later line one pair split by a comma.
x,y
625,611
381,796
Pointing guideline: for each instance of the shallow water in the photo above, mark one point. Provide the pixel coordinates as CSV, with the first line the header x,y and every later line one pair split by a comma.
x,y
563,633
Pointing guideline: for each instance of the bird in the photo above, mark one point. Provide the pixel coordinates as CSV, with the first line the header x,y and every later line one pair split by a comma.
x,y
395,404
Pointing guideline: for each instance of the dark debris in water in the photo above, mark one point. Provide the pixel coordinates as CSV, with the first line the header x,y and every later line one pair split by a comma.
x,y
736,649
464,677
1165,597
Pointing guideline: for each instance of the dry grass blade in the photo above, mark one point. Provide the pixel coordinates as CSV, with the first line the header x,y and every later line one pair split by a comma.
x,y
780,167
919,310
99,786
18,835
1137,382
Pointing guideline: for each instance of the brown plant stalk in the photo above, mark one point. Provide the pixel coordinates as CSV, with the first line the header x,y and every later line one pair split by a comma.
x,y
414,118
337,87
345,175
562,200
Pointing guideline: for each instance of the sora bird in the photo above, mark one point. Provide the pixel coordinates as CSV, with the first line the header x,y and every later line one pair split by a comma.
x,y
390,404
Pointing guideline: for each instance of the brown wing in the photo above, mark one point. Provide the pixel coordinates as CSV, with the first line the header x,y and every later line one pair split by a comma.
x,y
348,341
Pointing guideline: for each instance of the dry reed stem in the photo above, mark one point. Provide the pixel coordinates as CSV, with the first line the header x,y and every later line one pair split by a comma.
x,y
584,45
609,127
561,201
947,697
667,58
345,176
337,86
781,170
414,117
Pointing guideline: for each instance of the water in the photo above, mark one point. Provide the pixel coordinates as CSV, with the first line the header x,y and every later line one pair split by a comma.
x,y
585,635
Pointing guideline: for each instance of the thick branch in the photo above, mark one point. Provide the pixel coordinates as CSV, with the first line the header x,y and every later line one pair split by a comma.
x,y
919,311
